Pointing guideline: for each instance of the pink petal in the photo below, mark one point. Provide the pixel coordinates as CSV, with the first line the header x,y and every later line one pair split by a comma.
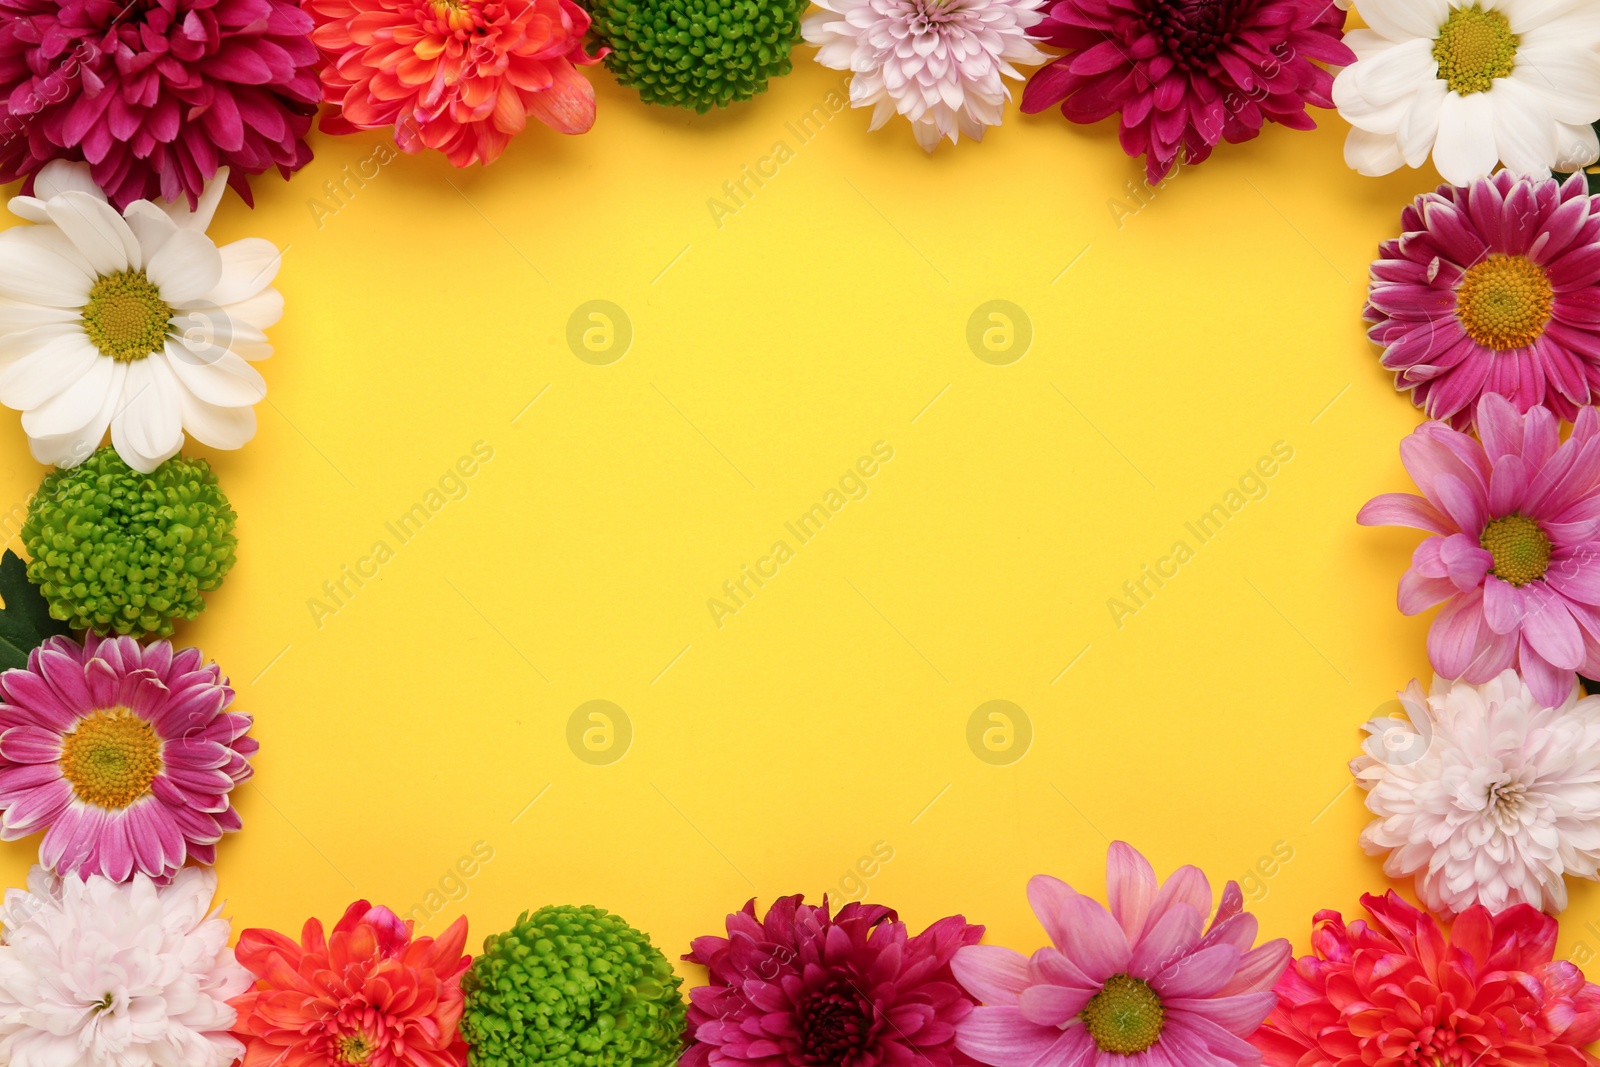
x,y
1170,936
1053,1005
1130,886
1404,509
1002,1037
1455,635
992,974
1083,930
1200,974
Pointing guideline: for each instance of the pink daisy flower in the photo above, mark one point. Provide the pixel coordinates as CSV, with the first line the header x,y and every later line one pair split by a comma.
x,y
156,95
1146,984
123,753
1514,554
1187,74
1493,288
803,988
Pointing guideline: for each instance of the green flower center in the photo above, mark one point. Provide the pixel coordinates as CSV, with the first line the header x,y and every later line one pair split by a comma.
x,y
1125,1017
355,1048
126,317
1474,47
1505,302
110,758
1520,549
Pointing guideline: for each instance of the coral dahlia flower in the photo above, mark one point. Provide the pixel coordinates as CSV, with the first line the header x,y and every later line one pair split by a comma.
x,y
1514,551
1400,991
1145,984
459,76
125,754
801,988
1493,288
156,95
367,995
1188,74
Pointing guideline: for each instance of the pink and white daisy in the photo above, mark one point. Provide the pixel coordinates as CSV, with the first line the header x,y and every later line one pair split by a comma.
x,y
1145,984
1514,555
940,63
125,754
1493,288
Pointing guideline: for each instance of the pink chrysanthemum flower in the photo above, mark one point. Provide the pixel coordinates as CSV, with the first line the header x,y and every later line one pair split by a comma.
x,y
803,989
1145,984
1403,993
459,76
1514,554
1493,288
156,95
1186,74
124,753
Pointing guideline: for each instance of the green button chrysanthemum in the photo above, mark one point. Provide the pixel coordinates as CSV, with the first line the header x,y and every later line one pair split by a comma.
x,y
697,53
114,550
572,987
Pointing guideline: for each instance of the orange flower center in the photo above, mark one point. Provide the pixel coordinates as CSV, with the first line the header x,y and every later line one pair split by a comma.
x,y
110,758
1505,302
355,1049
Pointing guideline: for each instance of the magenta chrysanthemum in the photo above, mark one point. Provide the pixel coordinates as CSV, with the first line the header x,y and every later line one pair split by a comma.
x,y
1145,984
803,989
1493,288
124,753
1514,554
1185,74
156,95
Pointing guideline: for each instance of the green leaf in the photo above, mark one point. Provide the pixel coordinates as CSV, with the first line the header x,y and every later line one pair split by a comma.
x,y
25,620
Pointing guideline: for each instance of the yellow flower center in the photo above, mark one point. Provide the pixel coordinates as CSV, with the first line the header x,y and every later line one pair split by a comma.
x,y
126,318
1520,549
355,1048
1505,302
1474,47
110,758
1125,1017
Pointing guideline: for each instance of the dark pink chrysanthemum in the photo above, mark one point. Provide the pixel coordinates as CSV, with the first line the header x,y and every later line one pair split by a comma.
x,y
156,95
1400,992
1493,288
1514,551
803,989
125,754
1185,74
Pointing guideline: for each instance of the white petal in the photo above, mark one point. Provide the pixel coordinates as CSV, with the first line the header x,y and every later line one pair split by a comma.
x,y
186,267
96,230
147,429
1577,147
248,266
200,218
1372,154
1525,143
1376,94
1421,126
227,380
56,357
1401,20
1567,79
77,406
1575,21
1366,44
38,266
261,311
60,176
1465,150
16,316
150,225
215,426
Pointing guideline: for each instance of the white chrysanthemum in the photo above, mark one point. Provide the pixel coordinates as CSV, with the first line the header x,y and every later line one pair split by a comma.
x,y
100,974
1485,795
1473,83
137,322
940,63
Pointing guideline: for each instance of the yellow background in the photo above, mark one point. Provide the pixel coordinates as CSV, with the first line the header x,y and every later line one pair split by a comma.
x,y
1172,346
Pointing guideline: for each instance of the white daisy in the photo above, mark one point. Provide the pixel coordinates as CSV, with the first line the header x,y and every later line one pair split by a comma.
x,y
97,974
940,63
1473,83
137,322
1485,795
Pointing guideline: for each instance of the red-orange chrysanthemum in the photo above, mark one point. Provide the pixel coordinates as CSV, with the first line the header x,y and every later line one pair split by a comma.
x,y
460,76
367,994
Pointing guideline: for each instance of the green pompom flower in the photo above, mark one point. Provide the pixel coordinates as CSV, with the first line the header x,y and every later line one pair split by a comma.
x,y
697,53
572,987
114,550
